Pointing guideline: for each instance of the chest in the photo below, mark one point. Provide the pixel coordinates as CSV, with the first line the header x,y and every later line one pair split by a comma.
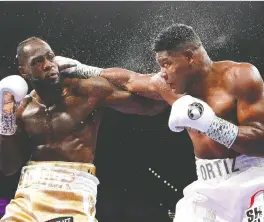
x,y
224,105
58,120
221,101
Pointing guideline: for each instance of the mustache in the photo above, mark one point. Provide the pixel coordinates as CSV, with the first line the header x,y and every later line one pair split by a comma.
x,y
42,81
45,83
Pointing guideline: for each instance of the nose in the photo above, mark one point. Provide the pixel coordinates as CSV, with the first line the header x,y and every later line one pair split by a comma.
x,y
164,75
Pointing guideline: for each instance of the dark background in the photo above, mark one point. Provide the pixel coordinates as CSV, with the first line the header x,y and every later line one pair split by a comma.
x,y
108,34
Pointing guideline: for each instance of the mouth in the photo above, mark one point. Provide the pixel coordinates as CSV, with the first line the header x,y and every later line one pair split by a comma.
x,y
52,75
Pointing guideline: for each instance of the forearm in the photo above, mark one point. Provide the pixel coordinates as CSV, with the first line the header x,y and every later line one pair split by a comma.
x,y
11,158
249,141
133,82
11,137
10,147
119,77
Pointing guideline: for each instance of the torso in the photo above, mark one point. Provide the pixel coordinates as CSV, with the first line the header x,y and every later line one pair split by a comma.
x,y
65,132
221,99
68,132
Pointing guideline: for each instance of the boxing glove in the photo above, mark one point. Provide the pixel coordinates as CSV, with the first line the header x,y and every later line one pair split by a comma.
x,y
12,91
194,113
74,69
65,63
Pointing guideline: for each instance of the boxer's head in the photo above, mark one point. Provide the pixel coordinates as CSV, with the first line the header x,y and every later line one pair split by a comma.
x,y
179,52
35,59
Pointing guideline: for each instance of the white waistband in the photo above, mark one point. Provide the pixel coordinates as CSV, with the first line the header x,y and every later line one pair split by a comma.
x,y
57,178
225,168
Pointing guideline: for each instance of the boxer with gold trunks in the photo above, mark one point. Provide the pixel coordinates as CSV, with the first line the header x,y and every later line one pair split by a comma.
x,y
54,131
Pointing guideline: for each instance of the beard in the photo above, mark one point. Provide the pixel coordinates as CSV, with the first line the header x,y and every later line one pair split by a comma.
x,y
49,88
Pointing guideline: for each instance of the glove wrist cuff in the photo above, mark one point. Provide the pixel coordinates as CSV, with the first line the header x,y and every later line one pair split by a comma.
x,y
222,132
87,71
7,115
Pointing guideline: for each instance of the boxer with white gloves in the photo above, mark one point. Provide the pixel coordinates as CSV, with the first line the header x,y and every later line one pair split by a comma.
x,y
57,125
221,104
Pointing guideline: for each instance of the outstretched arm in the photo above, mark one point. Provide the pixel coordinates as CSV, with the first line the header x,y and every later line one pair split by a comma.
x,y
108,95
140,84
137,83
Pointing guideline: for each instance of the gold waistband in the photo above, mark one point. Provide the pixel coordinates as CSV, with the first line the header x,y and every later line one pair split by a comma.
x,y
84,167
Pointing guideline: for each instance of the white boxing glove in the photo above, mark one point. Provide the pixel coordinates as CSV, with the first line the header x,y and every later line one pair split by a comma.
x,y
74,69
65,63
16,85
191,112
194,113
13,89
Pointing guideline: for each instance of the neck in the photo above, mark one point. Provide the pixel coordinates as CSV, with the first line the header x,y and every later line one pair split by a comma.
x,y
49,93
197,83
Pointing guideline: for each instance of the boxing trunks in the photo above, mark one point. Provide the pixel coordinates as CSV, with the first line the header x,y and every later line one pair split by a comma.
x,y
54,192
227,190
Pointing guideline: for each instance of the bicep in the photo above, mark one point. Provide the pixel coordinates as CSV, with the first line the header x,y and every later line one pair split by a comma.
x,y
134,82
250,113
141,85
250,105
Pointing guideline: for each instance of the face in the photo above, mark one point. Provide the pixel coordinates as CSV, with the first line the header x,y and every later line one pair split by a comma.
x,y
38,63
174,66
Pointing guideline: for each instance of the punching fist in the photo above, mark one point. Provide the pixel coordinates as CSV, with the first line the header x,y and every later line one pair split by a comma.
x,y
12,91
74,69
65,63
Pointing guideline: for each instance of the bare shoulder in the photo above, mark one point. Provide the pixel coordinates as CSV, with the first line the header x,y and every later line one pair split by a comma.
x,y
246,79
246,74
238,73
244,71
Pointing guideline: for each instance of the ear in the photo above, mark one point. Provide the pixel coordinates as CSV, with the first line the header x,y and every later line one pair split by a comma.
x,y
189,55
22,72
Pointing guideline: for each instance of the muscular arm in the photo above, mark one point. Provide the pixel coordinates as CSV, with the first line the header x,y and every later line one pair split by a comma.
x,y
118,99
148,85
140,84
250,111
134,82
14,150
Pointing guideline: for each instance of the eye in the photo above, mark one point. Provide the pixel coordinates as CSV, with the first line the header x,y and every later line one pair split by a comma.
x,y
40,59
165,64
37,61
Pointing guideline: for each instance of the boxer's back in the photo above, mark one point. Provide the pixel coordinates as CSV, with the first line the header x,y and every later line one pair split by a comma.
x,y
219,93
64,132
